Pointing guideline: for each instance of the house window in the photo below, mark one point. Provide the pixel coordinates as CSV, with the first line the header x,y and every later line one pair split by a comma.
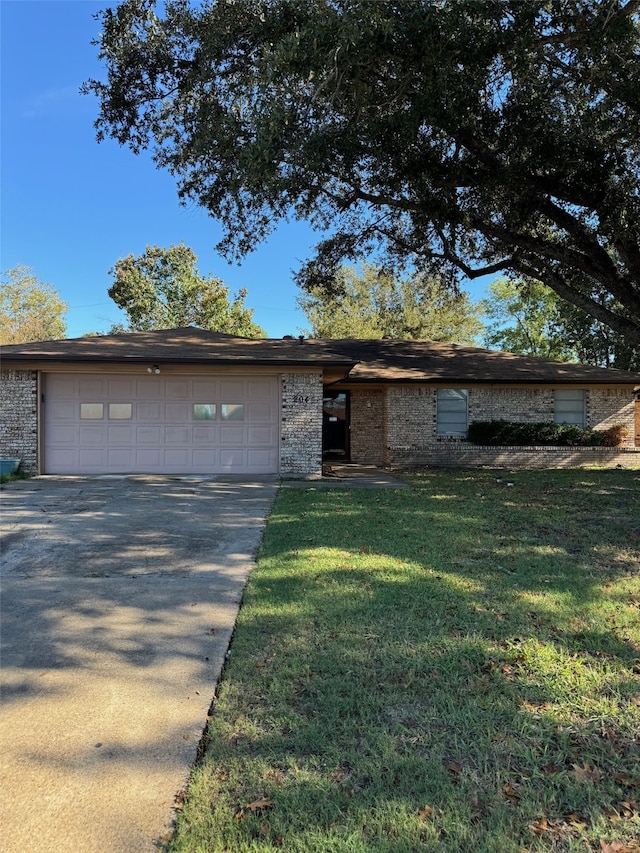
x,y
204,411
451,411
232,412
569,407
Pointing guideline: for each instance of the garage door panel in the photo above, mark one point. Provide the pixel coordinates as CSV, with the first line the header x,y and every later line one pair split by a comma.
x,y
208,461
232,460
119,458
120,435
230,435
149,389
121,386
177,412
63,460
206,388
259,412
158,424
260,459
177,435
149,435
148,459
92,435
177,389
206,435
65,434
64,410
148,412
177,458
259,435
91,460
92,386
259,389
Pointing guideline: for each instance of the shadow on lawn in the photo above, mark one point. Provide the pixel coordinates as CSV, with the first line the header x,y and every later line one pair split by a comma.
x,y
433,647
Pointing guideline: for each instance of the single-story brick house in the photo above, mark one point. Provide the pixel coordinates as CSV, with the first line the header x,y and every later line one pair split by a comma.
x,y
192,401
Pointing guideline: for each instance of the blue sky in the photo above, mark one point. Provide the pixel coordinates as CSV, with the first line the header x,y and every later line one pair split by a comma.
x,y
70,207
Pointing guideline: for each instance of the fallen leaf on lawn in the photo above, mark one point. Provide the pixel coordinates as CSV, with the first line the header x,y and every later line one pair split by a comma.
x,y
619,847
425,813
257,805
540,826
453,768
635,700
629,808
551,768
512,792
239,814
586,772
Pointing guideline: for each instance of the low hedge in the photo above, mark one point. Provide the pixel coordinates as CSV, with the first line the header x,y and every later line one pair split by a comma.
x,y
543,434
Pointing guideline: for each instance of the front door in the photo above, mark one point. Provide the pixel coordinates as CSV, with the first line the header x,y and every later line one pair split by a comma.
x,y
335,425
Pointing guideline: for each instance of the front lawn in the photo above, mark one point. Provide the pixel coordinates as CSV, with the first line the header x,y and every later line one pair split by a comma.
x,y
454,667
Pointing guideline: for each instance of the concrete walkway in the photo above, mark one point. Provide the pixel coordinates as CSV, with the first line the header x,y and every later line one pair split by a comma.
x,y
119,597
347,475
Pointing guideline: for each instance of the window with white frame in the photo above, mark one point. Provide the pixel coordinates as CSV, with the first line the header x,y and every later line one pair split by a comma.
x,y
569,406
451,411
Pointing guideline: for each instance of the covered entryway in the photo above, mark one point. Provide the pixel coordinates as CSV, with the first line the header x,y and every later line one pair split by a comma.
x,y
162,424
335,425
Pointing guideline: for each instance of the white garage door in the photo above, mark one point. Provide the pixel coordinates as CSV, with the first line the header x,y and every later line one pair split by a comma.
x,y
154,424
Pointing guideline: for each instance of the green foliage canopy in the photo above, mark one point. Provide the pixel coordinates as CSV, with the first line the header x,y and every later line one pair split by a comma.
x,y
475,137
375,304
529,318
162,289
30,310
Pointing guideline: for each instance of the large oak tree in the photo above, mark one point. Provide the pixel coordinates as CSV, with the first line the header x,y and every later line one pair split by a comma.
x,y
476,136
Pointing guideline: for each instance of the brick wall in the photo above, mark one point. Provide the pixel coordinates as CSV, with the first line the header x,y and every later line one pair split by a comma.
x,y
610,406
525,405
411,418
19,417
411,438
605,407
367,426
461,454
301,430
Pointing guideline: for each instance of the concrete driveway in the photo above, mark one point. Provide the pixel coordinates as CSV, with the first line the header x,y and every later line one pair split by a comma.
x,y
119,597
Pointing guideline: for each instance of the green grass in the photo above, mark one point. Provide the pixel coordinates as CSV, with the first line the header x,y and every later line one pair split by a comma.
x,y
454,667
9,478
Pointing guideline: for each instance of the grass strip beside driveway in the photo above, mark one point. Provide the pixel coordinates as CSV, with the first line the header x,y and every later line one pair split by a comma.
x,y
453,667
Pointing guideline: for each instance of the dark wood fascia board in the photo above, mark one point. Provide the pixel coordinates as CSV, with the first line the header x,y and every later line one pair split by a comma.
x,y
349,382
317,364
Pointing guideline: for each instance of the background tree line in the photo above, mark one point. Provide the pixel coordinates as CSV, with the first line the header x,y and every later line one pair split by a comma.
x,y
162,288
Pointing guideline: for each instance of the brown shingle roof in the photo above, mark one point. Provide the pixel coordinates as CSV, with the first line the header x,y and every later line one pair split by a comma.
x,y
415,361
367,360
186,345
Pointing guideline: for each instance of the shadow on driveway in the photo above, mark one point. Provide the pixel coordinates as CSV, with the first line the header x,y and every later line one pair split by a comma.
x,y
119,598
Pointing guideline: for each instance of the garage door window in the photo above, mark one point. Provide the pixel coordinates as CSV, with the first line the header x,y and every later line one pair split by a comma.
x,y
232,411
91,411
120,411
204,411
